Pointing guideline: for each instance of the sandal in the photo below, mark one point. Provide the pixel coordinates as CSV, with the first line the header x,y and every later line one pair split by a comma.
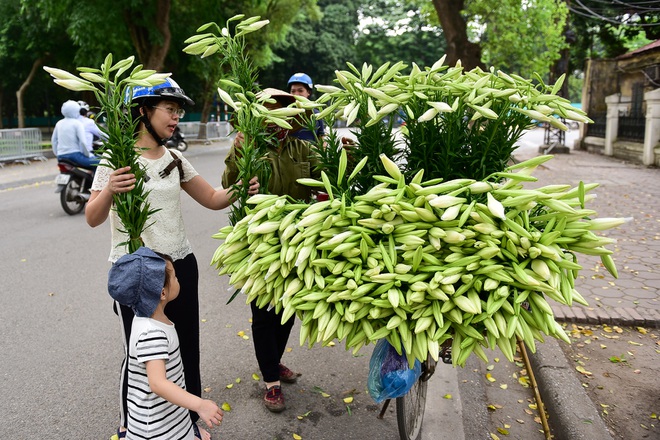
x,y
196,431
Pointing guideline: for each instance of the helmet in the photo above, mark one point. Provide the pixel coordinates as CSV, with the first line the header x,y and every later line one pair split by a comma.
x,y
84,108
302,78
169,90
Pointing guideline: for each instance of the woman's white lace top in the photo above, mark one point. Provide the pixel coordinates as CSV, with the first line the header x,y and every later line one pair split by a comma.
x,y
166,233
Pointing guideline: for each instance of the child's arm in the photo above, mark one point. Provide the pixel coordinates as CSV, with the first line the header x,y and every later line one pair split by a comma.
x,y
168,390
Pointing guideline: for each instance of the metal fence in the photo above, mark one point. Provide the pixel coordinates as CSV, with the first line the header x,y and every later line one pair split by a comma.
x,y
20,145
214,130
597,129
632,127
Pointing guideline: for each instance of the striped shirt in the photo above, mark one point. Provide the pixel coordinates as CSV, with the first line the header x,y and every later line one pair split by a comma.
x,y
149,415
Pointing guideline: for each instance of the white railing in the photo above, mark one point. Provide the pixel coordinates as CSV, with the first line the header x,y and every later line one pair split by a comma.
x,y
214,130
20,145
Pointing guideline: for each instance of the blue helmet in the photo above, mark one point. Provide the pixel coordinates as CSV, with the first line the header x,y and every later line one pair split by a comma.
x,y
301,78
169,90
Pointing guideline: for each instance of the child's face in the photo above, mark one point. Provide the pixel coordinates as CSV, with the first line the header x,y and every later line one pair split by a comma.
x,y
172,288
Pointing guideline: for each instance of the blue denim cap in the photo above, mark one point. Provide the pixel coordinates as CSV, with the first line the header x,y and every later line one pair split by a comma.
x,y
136,280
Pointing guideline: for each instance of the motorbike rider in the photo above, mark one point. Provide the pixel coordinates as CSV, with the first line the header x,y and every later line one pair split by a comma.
x,y
69,140
301,84
92,131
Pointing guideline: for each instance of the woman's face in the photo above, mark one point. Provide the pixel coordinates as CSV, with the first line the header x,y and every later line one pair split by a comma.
x,y
164,117
299,89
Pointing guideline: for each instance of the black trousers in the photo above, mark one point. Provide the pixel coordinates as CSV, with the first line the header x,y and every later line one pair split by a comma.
x,y
184,313
270,337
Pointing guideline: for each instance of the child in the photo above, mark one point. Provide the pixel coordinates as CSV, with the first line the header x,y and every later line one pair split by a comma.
x,y
157,406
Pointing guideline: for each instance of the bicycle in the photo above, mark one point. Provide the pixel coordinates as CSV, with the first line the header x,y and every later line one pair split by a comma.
x,y
410,407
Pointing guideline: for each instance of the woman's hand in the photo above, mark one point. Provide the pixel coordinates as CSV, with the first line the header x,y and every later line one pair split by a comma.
x,y
254,186
121,181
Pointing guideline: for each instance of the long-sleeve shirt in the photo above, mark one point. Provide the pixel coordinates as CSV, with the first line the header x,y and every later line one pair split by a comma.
x,y
69,137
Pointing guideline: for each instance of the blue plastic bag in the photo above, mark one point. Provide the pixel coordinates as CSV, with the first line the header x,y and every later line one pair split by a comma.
x,y
389,374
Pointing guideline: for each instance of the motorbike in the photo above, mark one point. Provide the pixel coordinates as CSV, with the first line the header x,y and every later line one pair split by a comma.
x,y
73,184
178,140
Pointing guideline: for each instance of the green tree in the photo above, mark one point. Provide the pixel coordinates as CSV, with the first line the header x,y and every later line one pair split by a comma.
x,y
316,44
520,36
155,30
393,30
26,41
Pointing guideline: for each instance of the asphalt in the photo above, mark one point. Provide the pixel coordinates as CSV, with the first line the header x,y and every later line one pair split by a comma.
x,y
633,299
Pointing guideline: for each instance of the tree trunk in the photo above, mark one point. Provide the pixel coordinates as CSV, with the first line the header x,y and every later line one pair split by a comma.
x,y
21,91
454,28
152,55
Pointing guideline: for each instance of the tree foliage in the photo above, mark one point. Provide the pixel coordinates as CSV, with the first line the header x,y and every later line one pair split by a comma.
x,y
393,30
520,36
316,45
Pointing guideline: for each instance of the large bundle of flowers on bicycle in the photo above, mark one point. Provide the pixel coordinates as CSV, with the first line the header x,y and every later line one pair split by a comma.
x,y
447,245
419,262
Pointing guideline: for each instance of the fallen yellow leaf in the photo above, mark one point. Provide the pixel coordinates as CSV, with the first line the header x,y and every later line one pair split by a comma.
x,y
297,437
504,386
255,376
490,377
226,407
642,330
230,385
447,396
494,437
634,343
241,333
348,399
581,369
502,431
325,394
238,380
203,320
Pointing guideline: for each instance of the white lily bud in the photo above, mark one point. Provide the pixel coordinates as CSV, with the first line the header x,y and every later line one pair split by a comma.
x,y
75,85
495,207
60,74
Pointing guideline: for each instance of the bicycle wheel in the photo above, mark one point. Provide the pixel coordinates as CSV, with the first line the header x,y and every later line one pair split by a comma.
x,y
410,410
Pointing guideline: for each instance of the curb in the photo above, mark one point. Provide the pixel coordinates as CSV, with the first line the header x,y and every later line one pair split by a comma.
x,y
624,316
573,416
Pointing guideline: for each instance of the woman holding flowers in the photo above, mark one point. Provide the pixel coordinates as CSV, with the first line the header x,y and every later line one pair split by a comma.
x,y
157,110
